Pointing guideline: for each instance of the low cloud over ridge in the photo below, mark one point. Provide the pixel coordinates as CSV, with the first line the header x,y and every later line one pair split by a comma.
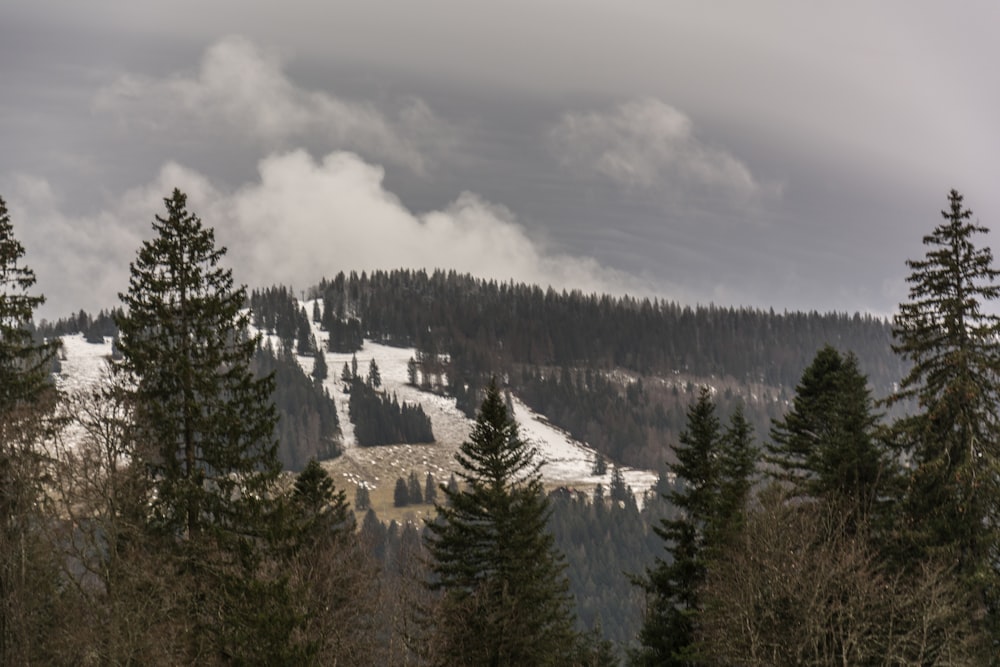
x,y
301,220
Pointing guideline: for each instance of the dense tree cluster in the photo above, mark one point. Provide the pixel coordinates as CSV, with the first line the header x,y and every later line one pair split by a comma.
x,y
276,312
382,420
466,330
308,427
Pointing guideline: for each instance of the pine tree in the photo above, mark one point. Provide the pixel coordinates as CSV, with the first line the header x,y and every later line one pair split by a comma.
x,y
504,591
401,493
319,371
207,425
24,364
430,489
24,384
713,472
413,490
951,338
827,445
374,376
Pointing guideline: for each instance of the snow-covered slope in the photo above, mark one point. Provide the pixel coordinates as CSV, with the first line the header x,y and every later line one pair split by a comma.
x,y
567,461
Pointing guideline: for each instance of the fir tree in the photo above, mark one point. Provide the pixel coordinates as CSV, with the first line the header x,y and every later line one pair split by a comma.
x,y
951,338
713,473
430,489
401,494
374,376
826,446
319,371
504,589
413,490
24,389
207,424
24,364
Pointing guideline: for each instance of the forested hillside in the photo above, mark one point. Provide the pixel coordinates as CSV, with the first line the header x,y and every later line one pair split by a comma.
x,y
617,373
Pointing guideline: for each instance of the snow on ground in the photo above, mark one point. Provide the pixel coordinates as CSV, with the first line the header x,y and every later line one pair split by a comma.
x,y
83,363
567,461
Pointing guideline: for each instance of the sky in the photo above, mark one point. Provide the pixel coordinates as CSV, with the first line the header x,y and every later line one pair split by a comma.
x,y
774,154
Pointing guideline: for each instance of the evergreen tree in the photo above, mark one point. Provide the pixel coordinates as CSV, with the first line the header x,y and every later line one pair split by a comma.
x,y
946,330
411,372
319,371
618,491
207,426
430,489
24,363
362,498
737,461
826,446
401,494
24,383
413,490
345,377
713,472
504,589
374,376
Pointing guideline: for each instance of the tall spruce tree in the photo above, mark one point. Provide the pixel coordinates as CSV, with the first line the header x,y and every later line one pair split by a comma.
x,y
505,599
827,445
24,380
713,471
207,428
24,363
953,440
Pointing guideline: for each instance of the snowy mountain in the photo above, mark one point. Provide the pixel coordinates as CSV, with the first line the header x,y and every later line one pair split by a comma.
x,y
567,462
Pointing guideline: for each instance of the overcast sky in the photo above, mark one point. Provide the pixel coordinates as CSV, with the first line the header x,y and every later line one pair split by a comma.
x,y
768,154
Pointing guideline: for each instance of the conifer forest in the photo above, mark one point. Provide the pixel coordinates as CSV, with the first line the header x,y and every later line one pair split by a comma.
x,y
827,484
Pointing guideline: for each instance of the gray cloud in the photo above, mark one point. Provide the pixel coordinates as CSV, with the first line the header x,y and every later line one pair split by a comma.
x,y
241,88
649,144
302,219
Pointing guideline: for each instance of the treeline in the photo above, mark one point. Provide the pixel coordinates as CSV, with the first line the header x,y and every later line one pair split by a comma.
x,y
505,324
276,312
467,330
630,420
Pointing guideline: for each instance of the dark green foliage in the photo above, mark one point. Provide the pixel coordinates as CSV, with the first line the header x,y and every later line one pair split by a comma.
x,y
600,467
713,478
827,445
949,332
320,370
321,510
413,489
618,491
24,362
603,542
374,376
401,494
362,498
503,583
381,420
28,571
276,312
308,426
430,489
206,425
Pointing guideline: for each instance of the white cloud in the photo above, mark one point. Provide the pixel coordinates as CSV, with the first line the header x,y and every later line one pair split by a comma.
x,y
302,220
239,87
648,144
